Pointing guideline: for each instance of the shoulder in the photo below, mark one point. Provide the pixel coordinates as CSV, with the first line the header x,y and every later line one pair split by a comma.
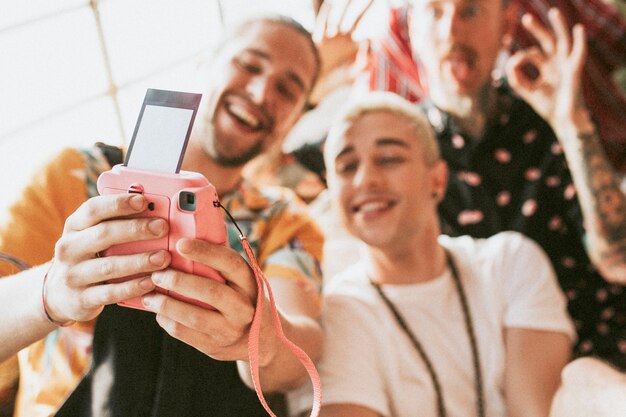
x,y
350,305
55,190
496,245
266,200
506,253
280,209
351,283
71,174
64,169
68,159
64,158
96,160
511,245
97,153
277,224
281,200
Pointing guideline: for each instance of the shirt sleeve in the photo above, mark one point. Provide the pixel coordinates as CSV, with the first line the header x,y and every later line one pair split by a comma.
x,y
35,222
37,216
534,299
350,364
292,248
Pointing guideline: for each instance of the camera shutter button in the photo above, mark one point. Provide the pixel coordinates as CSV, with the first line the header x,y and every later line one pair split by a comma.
x,y
135,188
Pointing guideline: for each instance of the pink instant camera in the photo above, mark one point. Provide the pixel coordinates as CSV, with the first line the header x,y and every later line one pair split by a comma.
x,y
187,200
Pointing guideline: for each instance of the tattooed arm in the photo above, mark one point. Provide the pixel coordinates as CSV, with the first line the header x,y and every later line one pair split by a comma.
x,y
602,202
555,94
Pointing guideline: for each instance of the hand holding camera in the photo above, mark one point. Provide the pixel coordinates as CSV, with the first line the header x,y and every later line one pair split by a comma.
x,y
185,200
78,282
145,207
162,234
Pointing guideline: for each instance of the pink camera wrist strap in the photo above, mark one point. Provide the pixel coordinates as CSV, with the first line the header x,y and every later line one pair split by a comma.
x,y
254,337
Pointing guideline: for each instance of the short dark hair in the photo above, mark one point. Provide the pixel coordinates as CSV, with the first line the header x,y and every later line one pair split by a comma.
x,y
278,19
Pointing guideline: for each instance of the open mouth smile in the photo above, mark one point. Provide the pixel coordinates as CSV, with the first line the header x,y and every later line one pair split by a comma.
x,y
244,116
460,61
370,207
247,115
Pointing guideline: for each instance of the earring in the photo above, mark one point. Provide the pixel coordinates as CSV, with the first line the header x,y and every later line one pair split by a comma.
x,y
434,194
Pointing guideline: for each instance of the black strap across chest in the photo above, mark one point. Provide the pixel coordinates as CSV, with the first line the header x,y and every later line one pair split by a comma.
x,y
478,380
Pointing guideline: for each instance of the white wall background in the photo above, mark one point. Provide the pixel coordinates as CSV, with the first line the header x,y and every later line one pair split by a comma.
x,y
73,72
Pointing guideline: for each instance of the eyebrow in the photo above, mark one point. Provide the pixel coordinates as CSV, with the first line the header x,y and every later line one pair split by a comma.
x,y
379,142
344,151
392,141
290,74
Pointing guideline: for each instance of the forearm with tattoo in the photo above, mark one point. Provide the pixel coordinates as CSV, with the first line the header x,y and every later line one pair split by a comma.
x,y
603,204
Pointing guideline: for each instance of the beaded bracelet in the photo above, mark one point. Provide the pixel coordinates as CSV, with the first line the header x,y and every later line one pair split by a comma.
x,y
45,309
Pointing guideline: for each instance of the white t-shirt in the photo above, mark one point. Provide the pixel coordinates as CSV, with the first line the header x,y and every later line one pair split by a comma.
x,y
369,361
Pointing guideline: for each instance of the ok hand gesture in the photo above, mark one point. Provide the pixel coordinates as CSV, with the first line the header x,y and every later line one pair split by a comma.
x,y
555,91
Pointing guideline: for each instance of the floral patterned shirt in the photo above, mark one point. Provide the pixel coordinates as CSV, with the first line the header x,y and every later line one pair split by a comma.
x,y
285,240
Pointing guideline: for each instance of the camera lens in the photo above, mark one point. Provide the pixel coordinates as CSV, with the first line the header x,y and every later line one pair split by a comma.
x,y
187,201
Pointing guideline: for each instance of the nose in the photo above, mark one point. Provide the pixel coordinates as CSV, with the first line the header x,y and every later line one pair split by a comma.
x,y
258,88
451,23
366,176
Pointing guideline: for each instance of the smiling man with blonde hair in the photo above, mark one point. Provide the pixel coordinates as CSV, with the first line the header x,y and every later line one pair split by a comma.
x,y
426,324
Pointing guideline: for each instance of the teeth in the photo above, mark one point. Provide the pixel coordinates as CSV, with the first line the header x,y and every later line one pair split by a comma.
x,y
244,115
374,206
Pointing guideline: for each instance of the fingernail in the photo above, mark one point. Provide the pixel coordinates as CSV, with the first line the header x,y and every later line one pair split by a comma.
x,y
157,258
157,279
146,300
185,245
156,226
553,13
136,202
146,284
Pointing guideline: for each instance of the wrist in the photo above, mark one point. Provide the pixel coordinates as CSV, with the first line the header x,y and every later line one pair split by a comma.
x,y
579,123
46,309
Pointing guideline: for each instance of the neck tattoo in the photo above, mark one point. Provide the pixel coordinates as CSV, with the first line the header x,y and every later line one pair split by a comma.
x,y
422,354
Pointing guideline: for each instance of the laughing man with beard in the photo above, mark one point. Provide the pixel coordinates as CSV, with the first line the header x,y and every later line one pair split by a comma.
x,y
188,361
522,149
524,154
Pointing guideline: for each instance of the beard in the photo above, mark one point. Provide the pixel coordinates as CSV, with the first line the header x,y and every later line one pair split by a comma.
x,y
237,160
220,156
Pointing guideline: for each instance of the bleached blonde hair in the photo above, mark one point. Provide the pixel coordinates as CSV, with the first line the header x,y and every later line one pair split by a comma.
x,y
391,103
